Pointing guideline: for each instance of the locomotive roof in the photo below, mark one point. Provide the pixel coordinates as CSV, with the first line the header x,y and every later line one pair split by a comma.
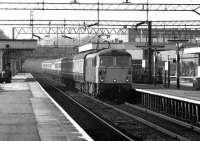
x,y
113,52
102,52
109,52
82,55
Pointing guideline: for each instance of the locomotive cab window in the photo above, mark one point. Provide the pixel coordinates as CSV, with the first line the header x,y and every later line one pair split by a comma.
x,y
122,61
106,61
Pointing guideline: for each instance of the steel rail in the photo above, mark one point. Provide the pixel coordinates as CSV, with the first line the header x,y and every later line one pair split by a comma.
x,y
91,113
152,125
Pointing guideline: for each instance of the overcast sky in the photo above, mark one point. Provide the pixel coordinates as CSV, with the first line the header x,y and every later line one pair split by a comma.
x,y
86,15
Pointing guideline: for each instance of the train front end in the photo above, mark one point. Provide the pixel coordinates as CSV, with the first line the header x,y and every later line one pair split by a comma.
x,y
114,72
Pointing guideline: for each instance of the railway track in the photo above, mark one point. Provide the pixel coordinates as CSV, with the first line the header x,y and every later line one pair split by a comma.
x,y
175,130
98,128
133,121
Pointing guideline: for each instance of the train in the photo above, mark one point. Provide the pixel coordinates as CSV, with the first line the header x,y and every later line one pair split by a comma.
x,y
99,73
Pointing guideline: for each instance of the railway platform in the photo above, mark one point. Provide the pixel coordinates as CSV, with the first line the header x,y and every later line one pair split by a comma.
x,y
28,113
182,103
186,90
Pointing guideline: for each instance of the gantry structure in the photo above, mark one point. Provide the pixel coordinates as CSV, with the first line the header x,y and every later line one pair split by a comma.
x,y
104,26
74,5
98,26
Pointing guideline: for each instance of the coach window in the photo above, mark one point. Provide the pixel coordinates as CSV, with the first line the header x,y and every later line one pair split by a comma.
x,y
56,65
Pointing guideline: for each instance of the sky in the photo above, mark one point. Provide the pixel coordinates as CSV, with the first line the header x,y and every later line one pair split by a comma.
x,y
92,15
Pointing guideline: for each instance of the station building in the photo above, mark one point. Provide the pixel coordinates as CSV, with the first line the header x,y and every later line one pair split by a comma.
x,y
186,41
12,53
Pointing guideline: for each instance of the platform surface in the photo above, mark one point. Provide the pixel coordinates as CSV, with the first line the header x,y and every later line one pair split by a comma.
x,y
185,91
27,113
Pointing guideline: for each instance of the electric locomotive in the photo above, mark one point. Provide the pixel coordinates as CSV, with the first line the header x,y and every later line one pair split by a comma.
x,y
103,73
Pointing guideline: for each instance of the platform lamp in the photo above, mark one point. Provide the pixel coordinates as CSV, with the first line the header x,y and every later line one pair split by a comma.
x,y
179,46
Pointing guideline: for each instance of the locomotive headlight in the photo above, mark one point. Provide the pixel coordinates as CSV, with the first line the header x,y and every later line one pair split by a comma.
x,y
127,79
114,80
101,79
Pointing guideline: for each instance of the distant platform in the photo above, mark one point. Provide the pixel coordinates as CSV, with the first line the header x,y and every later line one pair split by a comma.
x,y
28,113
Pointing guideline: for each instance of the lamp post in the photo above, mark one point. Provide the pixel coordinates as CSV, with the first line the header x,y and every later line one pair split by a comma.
x,y
31,23
177,66
148,53
155,68
178,47
168,72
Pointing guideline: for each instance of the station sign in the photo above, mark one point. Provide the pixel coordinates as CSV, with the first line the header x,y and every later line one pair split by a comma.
x,y
198,71
144,64
166,66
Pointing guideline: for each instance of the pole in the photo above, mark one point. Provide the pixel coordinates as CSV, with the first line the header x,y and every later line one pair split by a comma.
x,y
98,36
178,60
57,35
31,23
168,73
149,52
147,10
177,67
155,69
98,12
